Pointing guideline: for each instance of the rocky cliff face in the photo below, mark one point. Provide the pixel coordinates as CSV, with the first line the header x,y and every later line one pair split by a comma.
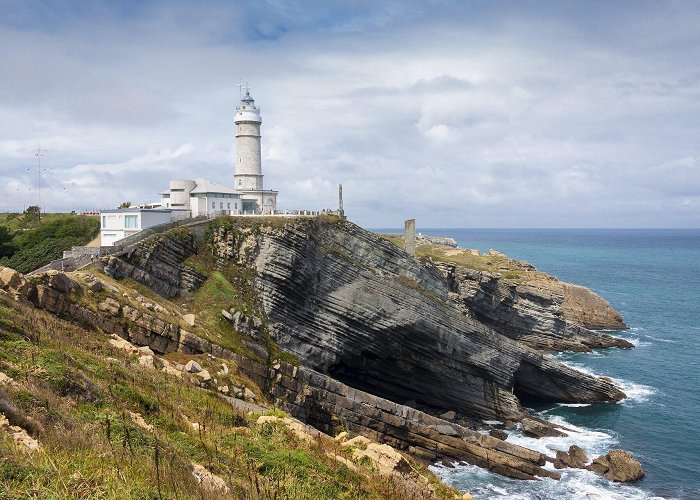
x,y
371,326
541,311
351,305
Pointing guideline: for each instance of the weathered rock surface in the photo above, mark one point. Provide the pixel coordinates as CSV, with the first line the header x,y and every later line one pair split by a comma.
x,y
575,457
352,305
543,312
617,465
157,263
371,325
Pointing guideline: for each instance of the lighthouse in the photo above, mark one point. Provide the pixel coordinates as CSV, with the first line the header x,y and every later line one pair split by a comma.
x,y
248,177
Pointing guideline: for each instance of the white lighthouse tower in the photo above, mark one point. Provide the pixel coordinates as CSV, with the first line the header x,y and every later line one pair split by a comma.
x,y
248,177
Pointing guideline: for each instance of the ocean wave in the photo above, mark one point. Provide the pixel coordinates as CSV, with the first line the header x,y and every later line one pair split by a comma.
x,y
574,484
662,340
636,393
594,442
575,405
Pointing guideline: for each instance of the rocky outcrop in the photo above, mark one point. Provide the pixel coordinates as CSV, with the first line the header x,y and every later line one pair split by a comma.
x,y
575,458
588,309
542,312
617,465
351,305
157,263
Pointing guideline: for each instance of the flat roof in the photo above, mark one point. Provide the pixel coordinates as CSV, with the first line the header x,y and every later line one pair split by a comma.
x,y
134,210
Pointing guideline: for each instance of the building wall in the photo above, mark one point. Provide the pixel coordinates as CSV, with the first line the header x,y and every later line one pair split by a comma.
x,y
179,196
115,225
218,204
149,219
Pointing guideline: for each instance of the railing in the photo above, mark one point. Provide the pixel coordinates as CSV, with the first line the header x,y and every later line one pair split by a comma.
x,y
151,231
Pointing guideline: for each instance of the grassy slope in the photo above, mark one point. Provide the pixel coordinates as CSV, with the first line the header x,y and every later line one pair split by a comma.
x,y
74,394
505,266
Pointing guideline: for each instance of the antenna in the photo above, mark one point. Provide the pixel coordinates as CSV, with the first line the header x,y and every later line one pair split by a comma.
x,y
39,153
240,90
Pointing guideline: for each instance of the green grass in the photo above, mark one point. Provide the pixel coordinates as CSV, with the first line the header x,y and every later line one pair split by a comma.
x,y
76,402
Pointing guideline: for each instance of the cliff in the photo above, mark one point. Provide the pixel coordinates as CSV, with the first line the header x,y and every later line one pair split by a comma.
x,y
333,324
525,304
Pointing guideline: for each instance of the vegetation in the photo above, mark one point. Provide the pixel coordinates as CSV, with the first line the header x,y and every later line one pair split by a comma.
x,y
111,428
27,243
493,262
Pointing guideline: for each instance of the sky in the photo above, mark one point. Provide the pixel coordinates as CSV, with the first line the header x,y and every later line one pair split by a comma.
x,y
459,114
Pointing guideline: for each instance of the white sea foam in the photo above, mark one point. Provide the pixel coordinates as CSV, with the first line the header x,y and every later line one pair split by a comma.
x,y
594,442
661,340
636,393
574,484
575,405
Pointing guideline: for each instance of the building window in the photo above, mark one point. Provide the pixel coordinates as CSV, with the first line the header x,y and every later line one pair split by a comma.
x,y
213,204
235,206
130,221
228,206
240,182
221,205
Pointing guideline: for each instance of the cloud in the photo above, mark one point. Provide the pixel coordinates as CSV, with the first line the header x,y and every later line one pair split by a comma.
x,y
459,115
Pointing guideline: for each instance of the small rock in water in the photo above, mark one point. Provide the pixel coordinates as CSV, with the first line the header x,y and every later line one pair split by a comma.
x,y
534,428
617,465
575,458
498,434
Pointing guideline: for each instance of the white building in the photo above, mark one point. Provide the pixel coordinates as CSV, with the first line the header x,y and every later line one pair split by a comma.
x,y
247,177
193,198
122,222
201,197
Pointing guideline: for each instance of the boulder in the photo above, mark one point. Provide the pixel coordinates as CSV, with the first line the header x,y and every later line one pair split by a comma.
x,y
12,281
498,434
146,350
204,375
61,282
209,481
385,458
227,315
538,429
223,389
188,318
617,465
449,415
223,369
575,458
193,367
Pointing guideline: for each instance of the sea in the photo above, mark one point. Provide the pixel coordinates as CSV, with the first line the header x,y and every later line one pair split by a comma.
x,y
652,276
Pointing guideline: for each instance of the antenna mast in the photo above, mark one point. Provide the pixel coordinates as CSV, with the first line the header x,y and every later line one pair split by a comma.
x,y
39,153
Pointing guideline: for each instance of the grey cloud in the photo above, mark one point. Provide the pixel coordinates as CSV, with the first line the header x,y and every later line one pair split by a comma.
x,y
496,117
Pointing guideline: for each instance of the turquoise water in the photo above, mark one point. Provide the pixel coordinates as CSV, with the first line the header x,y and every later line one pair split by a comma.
x,y
653,278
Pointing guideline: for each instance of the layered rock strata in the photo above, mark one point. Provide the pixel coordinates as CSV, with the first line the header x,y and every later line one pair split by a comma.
x,y
544,313
306,394
351,305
